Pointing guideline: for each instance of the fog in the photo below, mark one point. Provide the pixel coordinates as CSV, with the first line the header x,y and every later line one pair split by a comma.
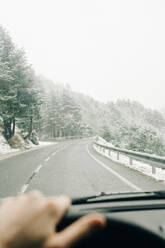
x,y
107,49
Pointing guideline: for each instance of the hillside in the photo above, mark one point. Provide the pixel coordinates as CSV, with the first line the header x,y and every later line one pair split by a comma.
x,y
127,124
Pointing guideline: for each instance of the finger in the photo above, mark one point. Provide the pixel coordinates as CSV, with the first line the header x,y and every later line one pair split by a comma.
x,y
78,230
36,197
7,200
35,194
58,207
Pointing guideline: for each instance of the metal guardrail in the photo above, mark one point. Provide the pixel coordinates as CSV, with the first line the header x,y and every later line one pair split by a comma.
x,y
154,161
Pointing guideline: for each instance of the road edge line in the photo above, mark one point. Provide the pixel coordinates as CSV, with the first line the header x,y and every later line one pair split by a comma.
x,y
126,181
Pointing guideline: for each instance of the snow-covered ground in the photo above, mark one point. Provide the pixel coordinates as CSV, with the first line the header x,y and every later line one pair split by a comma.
x,y
5,148
136,165
44,143
41,143
104,142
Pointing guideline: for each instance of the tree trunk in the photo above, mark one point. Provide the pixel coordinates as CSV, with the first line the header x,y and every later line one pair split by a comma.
x,y
13,126
30,126
7,128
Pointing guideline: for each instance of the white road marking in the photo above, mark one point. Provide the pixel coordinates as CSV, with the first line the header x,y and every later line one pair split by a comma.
x,y
59,150
47,159
114,172
24,188
38,168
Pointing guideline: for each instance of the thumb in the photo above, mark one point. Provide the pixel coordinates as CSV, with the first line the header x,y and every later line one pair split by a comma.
x,y
76,231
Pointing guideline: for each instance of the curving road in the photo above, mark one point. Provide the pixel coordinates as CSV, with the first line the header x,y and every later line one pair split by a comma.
x,y
70,167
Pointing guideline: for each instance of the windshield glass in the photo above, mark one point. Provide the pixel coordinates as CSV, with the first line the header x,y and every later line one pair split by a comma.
x,y
82,107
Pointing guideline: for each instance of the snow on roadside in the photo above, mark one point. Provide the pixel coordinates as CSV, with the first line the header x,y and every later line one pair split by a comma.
x,y
5,147
104,142
44,143
41,143
136,165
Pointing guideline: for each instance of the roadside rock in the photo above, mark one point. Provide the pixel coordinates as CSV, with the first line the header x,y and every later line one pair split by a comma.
x,y
16,141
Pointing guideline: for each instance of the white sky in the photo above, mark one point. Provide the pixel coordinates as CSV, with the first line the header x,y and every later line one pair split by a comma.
x,y
107,49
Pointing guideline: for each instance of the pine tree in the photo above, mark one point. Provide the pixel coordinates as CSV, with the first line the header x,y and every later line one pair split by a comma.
x,y
18,96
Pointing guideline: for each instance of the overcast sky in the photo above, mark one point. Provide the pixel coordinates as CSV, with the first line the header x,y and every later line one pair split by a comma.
x,y
108,49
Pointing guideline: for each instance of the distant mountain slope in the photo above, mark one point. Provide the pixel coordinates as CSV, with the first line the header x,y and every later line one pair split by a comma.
x,y
127,124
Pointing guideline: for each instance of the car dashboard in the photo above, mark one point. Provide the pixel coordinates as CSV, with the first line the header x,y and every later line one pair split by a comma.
x,y
130,223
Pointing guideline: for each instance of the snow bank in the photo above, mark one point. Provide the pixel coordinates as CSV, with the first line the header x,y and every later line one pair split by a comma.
x,y
41,143
5,147
103,142
44,143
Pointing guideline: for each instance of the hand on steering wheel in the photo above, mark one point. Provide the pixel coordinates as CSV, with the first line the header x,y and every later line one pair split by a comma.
x,y
30,220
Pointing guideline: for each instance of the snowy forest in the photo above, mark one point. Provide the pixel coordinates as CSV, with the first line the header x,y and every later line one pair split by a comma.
x,y
34,104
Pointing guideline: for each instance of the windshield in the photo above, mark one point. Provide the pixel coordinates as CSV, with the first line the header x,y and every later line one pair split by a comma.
x,y
82,107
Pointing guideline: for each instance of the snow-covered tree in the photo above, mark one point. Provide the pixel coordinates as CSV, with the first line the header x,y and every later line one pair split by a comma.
x,y
18,97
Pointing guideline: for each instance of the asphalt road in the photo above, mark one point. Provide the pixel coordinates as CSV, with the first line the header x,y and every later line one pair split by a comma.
x,y
70,167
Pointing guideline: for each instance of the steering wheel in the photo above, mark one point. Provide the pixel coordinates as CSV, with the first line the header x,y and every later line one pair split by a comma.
x,y
117,233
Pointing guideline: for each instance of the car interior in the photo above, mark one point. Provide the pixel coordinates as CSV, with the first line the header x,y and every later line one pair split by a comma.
x,y
133,220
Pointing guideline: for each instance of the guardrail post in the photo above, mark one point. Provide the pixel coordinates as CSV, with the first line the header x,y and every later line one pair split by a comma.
x,y
153,169
159,162
118,155
130,160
